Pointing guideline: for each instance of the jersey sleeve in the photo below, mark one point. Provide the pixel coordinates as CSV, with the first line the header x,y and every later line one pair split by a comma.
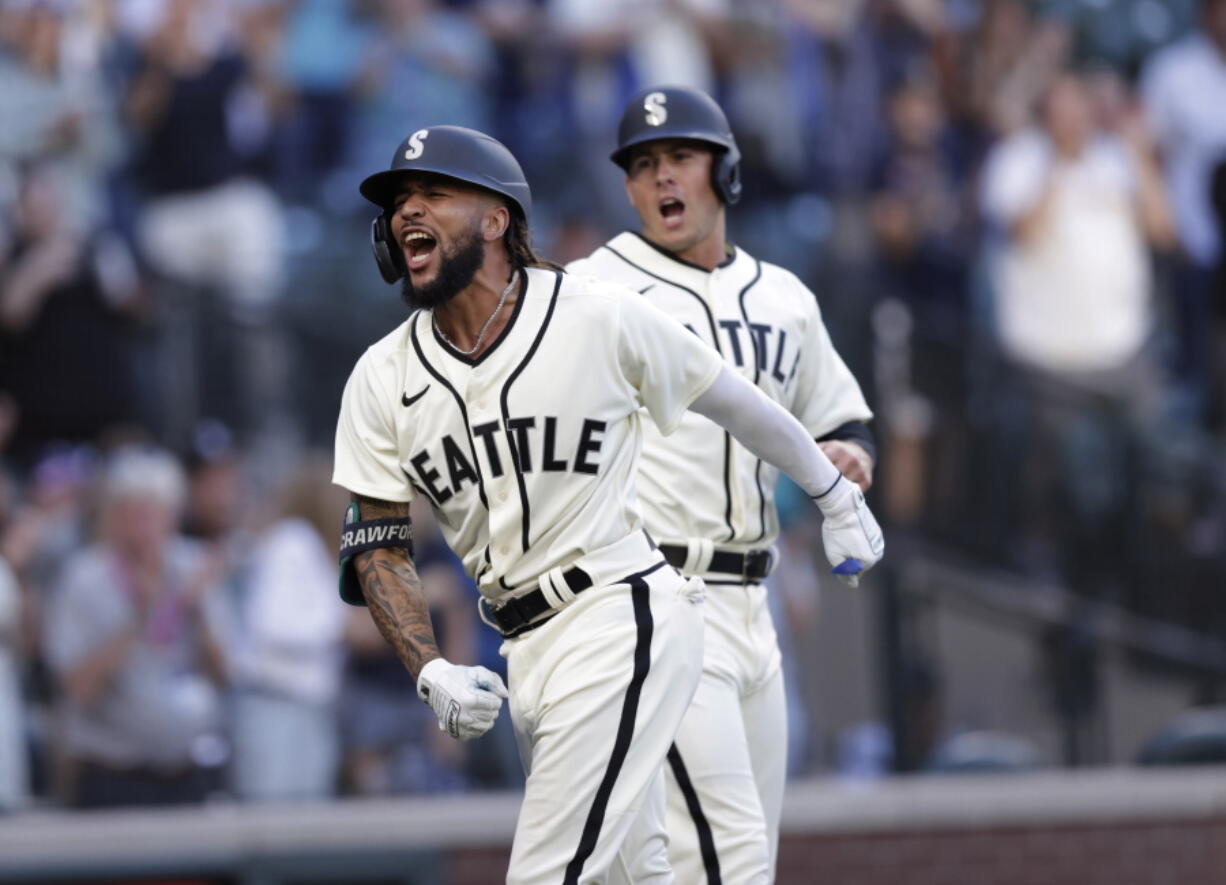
x,y
367,458
668,365
582,267
827,394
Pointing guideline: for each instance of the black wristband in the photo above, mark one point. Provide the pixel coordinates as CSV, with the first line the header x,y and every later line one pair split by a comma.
x,y
359,536
854,431
370,534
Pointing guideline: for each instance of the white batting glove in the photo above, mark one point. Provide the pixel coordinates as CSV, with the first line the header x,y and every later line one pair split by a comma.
x,y
850,534
466,700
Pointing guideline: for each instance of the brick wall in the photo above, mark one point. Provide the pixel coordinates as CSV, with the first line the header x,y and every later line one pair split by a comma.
x,y
1103,827
1114,827
1133,853
1136,853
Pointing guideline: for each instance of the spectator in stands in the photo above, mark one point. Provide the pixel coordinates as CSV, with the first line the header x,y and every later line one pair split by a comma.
x,y
1183,87
218,493
446,57
60,286
135,634
288,656
1075,209
323,54
917,209
614,48
46,525
56,111
904,31
993,73
836,88
208,223
621,46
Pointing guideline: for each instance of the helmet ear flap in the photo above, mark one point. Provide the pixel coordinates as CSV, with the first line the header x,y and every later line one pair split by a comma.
x,y
727,176
389,259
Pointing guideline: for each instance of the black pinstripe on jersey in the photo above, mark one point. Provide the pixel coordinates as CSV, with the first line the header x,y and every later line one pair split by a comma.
x,y
459,401
758,363
517,458
506,330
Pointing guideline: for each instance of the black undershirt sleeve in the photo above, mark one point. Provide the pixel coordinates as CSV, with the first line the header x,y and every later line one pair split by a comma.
x,y
857,432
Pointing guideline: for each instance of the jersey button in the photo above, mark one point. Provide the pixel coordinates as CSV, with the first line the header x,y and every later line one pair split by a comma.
x,y
504,549
502,496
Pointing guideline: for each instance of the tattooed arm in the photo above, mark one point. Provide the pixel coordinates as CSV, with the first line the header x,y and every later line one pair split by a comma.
x,y
393,592
465,699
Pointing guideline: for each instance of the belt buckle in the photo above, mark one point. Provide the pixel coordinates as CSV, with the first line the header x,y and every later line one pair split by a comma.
x,y
486,611
766,555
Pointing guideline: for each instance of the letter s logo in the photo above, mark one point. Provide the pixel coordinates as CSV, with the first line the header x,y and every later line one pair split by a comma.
x,y
415,148
653,104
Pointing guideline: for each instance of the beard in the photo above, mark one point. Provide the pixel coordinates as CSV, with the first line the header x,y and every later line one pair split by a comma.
x,y
456,269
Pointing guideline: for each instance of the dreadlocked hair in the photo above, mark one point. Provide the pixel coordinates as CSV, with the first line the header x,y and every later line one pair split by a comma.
x,y
518,240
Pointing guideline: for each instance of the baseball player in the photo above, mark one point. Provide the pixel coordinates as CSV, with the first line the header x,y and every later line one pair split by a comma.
x,y
513,399
707,500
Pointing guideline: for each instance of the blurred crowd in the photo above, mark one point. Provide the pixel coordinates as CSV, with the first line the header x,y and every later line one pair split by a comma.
x,y
1012,213
170,632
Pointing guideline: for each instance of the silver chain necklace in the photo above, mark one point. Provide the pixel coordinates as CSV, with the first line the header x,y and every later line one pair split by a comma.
x,y
502,299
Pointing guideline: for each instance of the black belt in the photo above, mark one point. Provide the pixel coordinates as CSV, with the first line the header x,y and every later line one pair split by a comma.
x,y
753,565
515,616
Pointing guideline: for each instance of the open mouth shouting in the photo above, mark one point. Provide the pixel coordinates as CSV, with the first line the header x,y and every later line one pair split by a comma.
x,y
419,248
672,212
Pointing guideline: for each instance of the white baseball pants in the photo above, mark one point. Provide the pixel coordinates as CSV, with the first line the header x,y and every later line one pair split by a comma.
x,y
596,695
727,769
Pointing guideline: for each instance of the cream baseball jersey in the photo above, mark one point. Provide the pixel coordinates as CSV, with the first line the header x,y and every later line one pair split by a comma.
x,y
528,452
766,324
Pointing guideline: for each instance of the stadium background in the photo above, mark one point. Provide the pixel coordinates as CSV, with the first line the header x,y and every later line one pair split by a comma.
x,y
184,264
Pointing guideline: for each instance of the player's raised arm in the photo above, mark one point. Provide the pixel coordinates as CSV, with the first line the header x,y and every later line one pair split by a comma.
x,y
851,535
673,370
377,546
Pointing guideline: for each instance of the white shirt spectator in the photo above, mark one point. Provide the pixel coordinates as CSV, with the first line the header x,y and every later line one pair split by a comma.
x,y
1074,296
1184,88
287,668
293,617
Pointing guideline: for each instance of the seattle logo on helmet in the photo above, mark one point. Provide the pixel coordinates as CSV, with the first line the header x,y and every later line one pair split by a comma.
x,y
653,104
415,148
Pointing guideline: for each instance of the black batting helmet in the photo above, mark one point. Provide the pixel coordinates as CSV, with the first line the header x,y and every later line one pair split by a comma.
x,y
681,112
455,152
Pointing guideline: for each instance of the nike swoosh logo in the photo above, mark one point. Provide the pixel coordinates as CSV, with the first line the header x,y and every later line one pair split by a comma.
x,y
644,291
407,400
